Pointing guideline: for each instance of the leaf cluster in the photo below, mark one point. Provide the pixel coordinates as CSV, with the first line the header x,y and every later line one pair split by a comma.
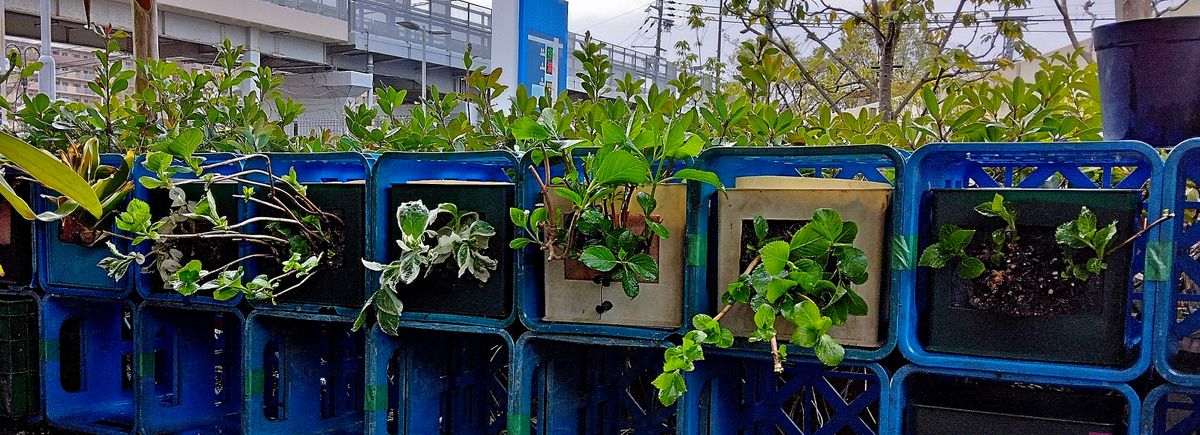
x,y
463,238
805,281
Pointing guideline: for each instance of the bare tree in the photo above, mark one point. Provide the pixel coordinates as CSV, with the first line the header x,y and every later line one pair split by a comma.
x,y
886,20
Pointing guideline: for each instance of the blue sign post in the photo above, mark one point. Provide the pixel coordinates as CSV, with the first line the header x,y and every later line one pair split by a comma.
x,y
530,37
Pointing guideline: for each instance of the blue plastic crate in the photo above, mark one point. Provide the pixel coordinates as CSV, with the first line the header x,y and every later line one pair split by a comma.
x,y
147,282
1171,410
999,165
303,374
1059,392
72,269
587,385
458,386
19,245
392,171
339,290
739,392
188,368
866,162
530,286
88,364
1177,314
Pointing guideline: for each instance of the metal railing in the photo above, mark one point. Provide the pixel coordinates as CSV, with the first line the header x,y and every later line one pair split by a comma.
x,y
624,60
466,23
330,8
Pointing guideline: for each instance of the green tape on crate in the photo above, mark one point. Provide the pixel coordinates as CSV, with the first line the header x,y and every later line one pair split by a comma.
x,y
145,364
375,398
903,249
254,383
697,250
1158,261
518,424
49,350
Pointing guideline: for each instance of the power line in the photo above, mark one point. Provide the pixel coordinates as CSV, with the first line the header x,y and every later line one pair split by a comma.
x,y
617,16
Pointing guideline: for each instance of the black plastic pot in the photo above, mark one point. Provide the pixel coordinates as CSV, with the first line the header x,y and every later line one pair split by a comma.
x,y
441,290
341,283
1094,333
942,406
1148,86
16,239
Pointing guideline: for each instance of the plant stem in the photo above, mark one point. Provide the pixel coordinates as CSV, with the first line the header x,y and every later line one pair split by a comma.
x,y
225,235
262,219
231,263
775,355
1166,215
722,313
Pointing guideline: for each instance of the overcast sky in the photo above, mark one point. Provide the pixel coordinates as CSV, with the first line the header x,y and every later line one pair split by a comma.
x,y
627,23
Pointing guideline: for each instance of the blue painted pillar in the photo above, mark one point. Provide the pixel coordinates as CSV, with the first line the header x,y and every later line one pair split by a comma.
x,y
530,43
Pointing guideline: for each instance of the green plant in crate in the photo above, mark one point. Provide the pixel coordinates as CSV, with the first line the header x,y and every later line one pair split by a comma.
x,y
303,239
805,281
424,244
635,153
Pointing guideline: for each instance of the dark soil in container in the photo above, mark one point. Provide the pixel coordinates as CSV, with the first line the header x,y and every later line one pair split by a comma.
x,y
16,239
339,280
776,229
1031,281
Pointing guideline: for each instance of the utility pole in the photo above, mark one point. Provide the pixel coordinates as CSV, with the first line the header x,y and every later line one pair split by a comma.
x,y
720,34
658,40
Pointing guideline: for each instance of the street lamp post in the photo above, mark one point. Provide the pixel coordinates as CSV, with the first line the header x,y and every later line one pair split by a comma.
x,y
424,49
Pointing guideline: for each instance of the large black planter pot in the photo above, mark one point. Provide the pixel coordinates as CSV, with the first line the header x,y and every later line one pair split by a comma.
x,y
341,284
1148,86
1090,331
942,406
16,239
442,290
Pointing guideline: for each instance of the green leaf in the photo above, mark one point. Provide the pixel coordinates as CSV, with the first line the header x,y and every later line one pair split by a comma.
x,y
828,223
412,217
932,257
529,129
647,202
808,320
705,177
760,229
778,287
519,217
621,167
764,317
570,195
808,243
644,266
50,172
970,267
598,258
852,262
16,201
629,284
670,387
829,351
775,256
519,243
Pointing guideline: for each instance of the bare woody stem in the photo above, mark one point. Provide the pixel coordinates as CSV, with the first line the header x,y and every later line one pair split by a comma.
x,y
749,268
1166,215
775,355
